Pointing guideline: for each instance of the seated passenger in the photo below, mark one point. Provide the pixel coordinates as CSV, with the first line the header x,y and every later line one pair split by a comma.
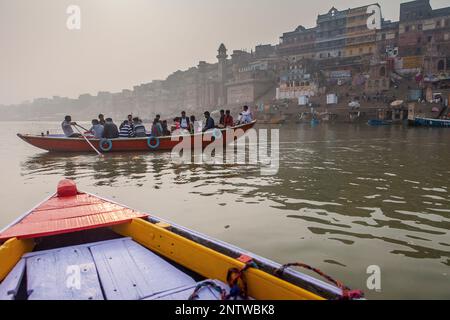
x,y
97,129
246,116
126,131
139,129
228,121
110,130
192,125
176,125
66,126
101,119
130,121
165,128
222,120
157,129
209,124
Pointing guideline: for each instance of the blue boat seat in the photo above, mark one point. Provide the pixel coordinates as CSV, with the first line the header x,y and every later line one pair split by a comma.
x,y
128,271
66,274
10,285
118,269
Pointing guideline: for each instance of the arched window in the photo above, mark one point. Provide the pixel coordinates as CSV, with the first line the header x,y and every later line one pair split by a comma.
x,y
382,72
441,65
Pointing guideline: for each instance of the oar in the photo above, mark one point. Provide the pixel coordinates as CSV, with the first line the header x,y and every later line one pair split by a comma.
x,y
82,127
87,140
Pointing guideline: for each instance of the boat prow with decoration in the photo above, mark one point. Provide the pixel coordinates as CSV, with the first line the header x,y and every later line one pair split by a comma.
x,y
78,246
60,143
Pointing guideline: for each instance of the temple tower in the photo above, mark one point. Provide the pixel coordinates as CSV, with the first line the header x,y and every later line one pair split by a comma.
x,y
222,74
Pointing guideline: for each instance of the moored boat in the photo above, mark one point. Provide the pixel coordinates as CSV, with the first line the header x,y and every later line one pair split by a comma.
x,y
428,122
60,143
378,122
78,246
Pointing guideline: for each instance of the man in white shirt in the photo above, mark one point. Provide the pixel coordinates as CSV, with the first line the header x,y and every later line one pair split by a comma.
x,y
246,116
66,126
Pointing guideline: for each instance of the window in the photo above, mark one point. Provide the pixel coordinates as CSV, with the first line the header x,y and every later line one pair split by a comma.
x,y
419,27
430,38
419,40
383,36
438,24
407,29
441,65
382,72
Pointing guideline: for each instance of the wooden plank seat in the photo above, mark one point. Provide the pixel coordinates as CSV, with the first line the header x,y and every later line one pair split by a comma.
x,y
66,274
129,271
10,286
113,270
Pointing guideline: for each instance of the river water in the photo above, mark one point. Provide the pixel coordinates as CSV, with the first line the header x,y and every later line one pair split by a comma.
x,y
346,197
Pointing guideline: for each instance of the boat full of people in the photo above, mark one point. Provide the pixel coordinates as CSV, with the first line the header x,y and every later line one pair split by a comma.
x,y
105,136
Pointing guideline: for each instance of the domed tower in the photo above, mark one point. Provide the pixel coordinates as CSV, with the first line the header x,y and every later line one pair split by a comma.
x,y
222,74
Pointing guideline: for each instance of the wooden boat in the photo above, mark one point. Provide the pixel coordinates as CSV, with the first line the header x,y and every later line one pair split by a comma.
x,y
428,122
379,122
78,246
60,143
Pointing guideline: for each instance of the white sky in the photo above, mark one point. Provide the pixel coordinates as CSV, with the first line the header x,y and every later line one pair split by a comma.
x,y
127,42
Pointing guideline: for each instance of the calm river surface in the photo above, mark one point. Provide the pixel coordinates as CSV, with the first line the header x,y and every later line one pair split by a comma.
x,y
345,197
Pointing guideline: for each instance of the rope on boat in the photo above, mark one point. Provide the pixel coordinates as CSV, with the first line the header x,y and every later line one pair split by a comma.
x,y
219,289
233,277
347,293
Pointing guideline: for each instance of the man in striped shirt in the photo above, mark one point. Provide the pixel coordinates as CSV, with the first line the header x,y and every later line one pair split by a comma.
x,y
126,130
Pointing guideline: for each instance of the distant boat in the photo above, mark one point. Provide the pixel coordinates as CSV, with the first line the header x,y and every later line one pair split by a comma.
x,y
427,122
378,122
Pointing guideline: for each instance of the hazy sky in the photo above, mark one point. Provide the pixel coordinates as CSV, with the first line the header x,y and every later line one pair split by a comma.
x,y
127,42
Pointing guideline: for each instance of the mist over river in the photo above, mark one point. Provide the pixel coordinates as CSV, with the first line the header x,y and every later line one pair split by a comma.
x,y
346,197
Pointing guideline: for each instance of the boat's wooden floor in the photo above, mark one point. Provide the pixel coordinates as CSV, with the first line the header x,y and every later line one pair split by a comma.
x,y
118,269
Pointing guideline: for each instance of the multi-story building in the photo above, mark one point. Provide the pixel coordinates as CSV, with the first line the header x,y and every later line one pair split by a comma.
x,y
298,44
424,36
359,39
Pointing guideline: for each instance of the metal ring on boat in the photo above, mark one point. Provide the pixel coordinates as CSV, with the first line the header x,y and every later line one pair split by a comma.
x,y
103,142
217,134
149,142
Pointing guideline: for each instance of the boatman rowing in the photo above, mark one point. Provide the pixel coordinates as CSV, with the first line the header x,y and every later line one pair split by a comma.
x,y
67,128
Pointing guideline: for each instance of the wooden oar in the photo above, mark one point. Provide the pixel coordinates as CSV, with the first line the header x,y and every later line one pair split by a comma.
x,y
82,127
87,140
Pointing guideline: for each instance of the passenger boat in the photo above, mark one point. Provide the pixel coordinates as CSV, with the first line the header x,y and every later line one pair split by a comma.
x,y
428,122
60,143
78,246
